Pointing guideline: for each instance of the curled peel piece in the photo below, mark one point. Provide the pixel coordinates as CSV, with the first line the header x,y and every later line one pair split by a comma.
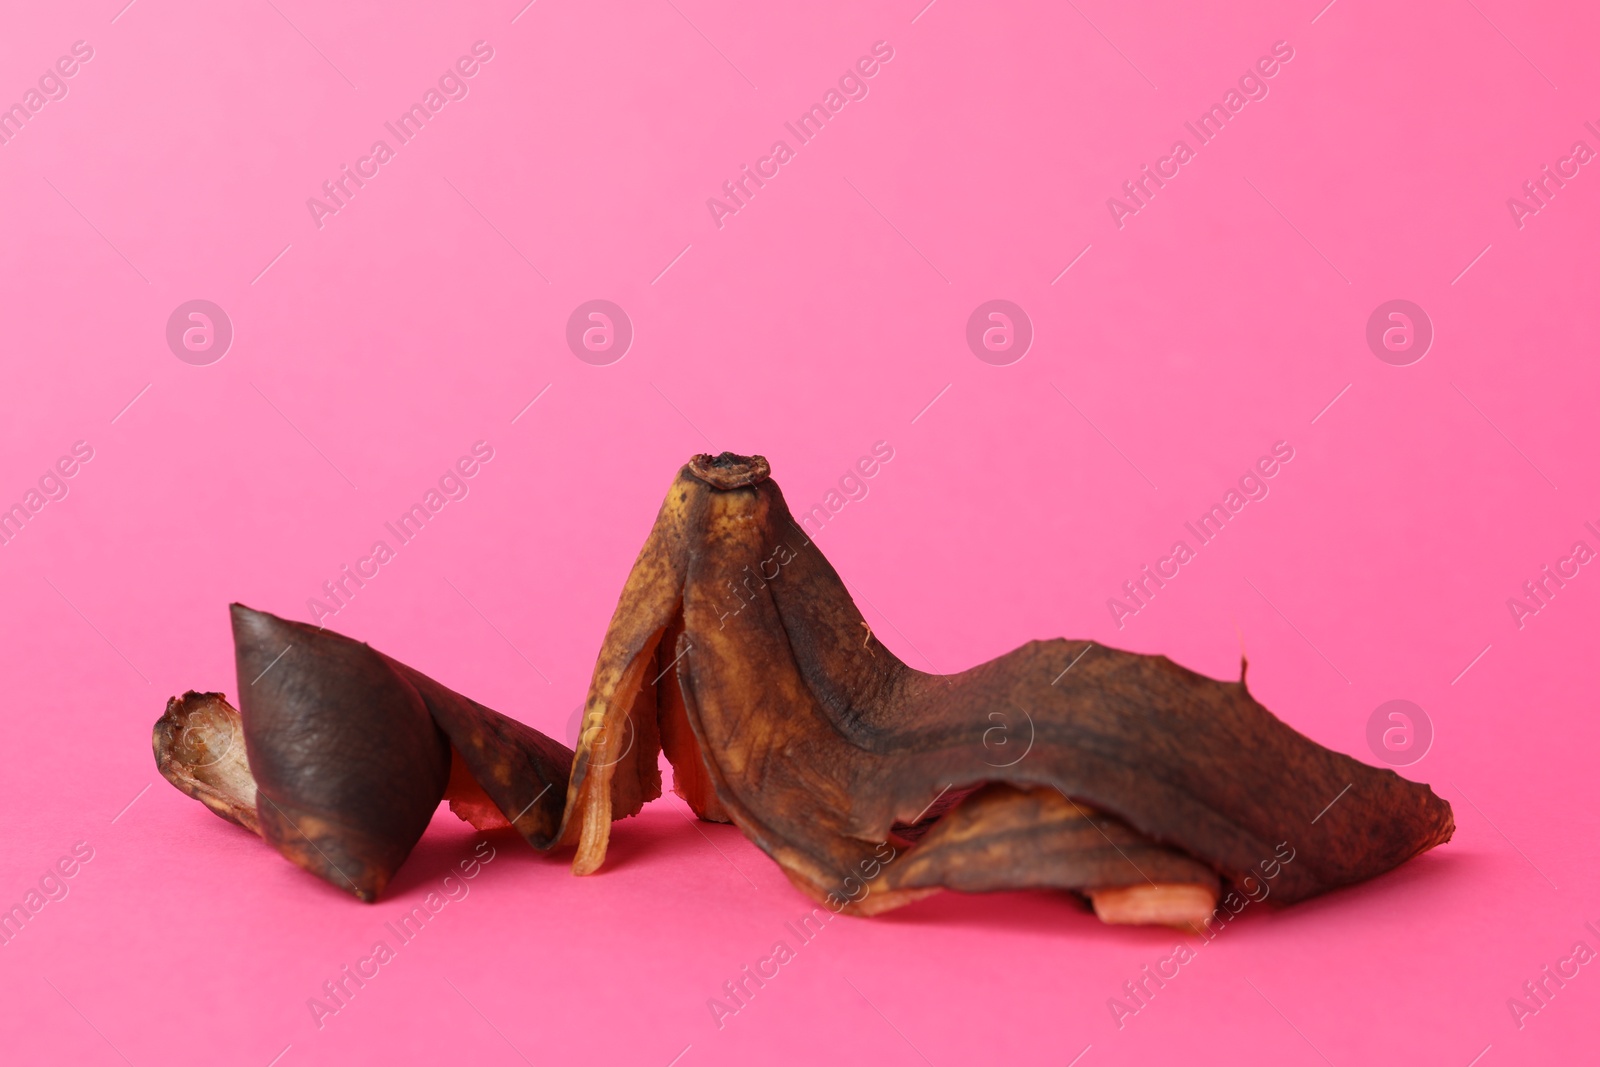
x,y
823,747
339,755
1003,837
199,745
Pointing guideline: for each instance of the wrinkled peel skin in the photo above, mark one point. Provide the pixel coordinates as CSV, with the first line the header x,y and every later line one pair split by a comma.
x,y
339,755
349,764
821,745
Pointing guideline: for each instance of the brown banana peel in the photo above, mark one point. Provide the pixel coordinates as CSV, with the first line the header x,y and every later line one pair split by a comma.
x,y
737,650
339,755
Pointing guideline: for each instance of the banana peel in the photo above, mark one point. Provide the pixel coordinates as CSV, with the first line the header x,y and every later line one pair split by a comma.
x,y
338,755
736,649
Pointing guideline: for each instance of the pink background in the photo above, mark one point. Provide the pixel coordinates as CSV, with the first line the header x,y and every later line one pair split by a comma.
x,y
821,318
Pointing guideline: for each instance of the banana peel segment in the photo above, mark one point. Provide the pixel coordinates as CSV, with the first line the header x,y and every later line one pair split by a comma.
x,y
338,755
738,652
823,747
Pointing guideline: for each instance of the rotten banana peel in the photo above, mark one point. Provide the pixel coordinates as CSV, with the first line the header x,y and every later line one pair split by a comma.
x,y
338,755
737,651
